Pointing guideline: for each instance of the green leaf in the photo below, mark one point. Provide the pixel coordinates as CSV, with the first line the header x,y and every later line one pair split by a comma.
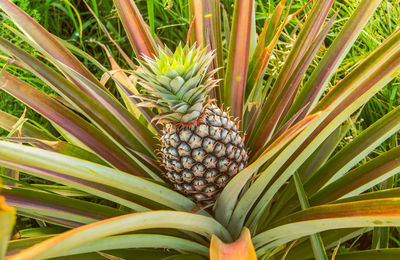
x,y
375,254
72,210
8,122
89,177
139,241
7,221
302,249
278,99
316,240
136,29
315,85
138,221
238,57
46,40
361,179
349,155
99,115
40,231
379,212
342,101
60,147
77,126
225,203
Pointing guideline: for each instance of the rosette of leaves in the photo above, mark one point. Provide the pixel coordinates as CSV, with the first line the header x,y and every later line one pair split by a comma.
x,y
301,194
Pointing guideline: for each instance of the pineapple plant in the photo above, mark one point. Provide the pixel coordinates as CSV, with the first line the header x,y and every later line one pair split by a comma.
x,y
201,147
299,193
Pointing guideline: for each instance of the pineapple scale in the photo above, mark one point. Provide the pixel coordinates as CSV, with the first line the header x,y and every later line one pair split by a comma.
x,y
200,159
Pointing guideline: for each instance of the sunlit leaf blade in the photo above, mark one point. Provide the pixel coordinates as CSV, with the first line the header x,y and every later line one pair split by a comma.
x,y
138,221
343,100
77,126
89,177
324,151
139,241
100,115
267,175
302,249
58,189
265,44
374,254
350,155
304,41
315,239
39,203
361,178
238,57
383,60
120,76
60,147
15,246
7,122
241,249
45,40
119,242
105,99
19,244
196,19
314,87
132,124
379,212
277,109
80,53
7,220
214,40
138,33
225,204
380,194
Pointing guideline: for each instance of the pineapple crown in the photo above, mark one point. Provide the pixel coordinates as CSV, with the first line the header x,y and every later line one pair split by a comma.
x,y
176,83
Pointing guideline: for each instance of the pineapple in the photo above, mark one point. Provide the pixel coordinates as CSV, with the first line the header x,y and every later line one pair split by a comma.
x,y
201,146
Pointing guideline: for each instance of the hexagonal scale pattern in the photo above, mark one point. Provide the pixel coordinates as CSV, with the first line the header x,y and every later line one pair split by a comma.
x,y
201,158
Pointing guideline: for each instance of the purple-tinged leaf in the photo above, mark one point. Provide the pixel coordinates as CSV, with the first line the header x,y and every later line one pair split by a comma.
x,y
138,33
238,57
314,86
46,41
72,123
310,30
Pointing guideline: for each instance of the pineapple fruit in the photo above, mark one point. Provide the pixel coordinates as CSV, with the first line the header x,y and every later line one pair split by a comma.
x,y
201,146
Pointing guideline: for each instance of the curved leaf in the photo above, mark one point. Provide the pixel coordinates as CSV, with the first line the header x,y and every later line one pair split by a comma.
x,y
314,87
379,212
77,126
225,203
46,204
352,92
139,241
136,29
89,177
374,254
46,40
157,219
7,220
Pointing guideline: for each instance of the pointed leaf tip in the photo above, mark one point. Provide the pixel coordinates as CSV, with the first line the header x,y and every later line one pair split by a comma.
x,y
241,249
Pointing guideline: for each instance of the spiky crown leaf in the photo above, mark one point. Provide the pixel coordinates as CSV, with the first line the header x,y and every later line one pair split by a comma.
x,y
177,83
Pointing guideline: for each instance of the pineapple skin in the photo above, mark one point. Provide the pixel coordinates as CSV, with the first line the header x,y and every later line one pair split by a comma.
x,y
200,158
